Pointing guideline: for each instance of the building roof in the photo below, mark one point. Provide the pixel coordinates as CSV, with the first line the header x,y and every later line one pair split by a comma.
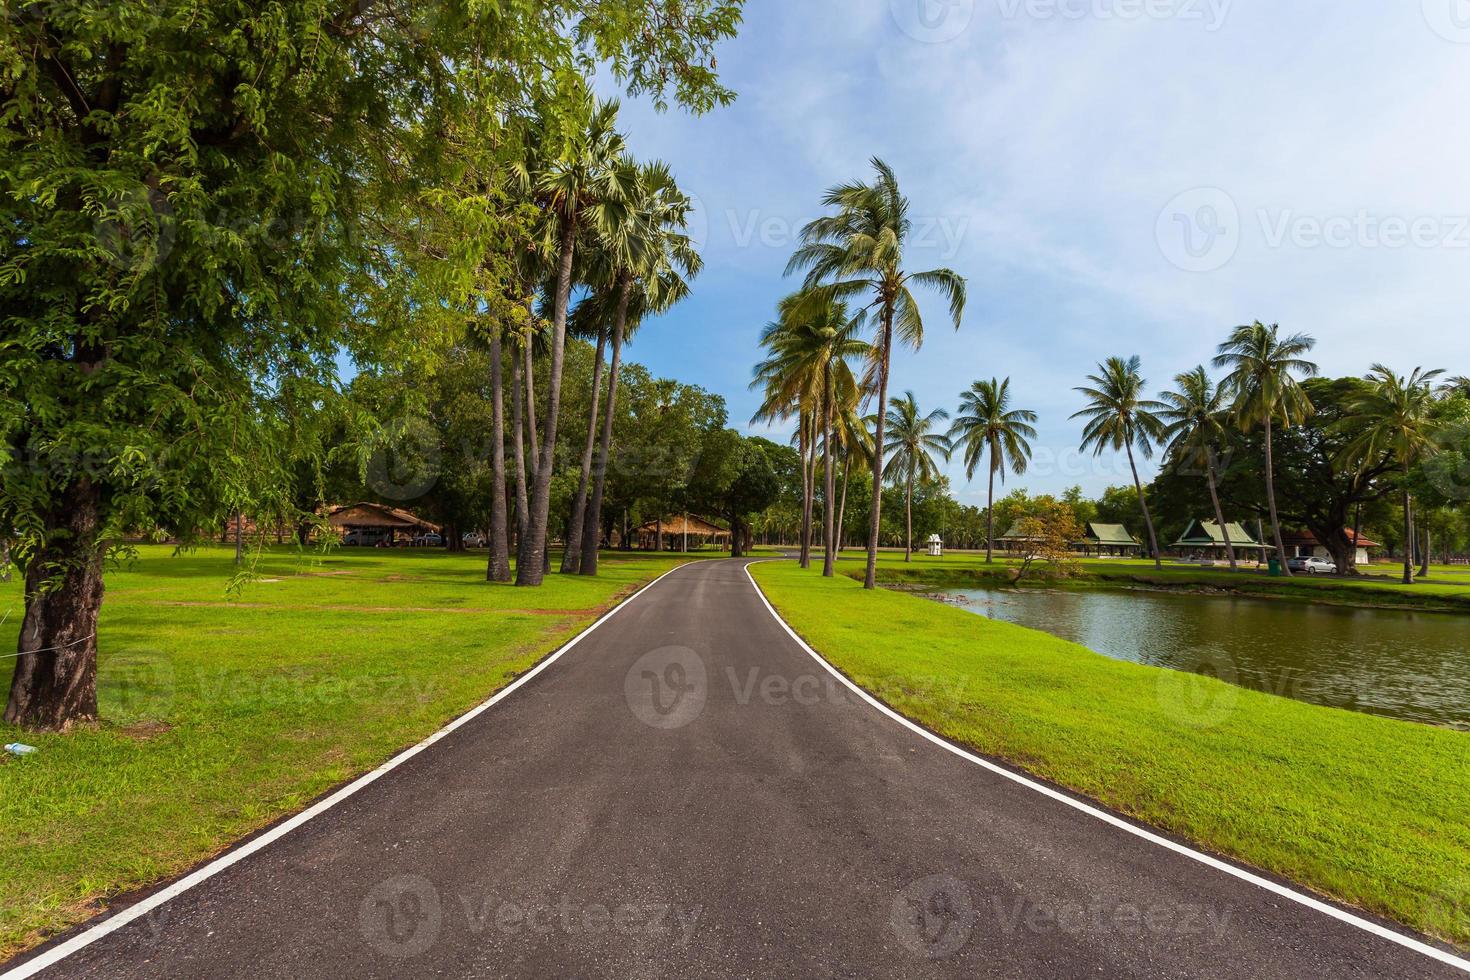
x,y
1112,535
1207,534
1309,539
366,514
685,524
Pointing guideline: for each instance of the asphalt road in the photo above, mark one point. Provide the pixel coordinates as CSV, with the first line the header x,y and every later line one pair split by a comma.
x,y
687,793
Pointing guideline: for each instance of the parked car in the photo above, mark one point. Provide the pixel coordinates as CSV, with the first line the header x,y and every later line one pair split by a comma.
x,y
429,540
473,539
1312,566
362,539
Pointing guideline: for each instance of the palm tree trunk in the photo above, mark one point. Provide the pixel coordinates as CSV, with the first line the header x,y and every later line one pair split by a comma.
x,y
1424,558
571,559
908,519
1219,513
497,568
885,348
592,525
1148,519
829,487
1408,536
518,446
990,517
842,506
533,558
807,479
1271,501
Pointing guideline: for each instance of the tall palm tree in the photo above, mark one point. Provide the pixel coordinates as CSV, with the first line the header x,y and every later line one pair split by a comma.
x,y
1396,416
1119,417
1195,417
808,372
914,444
650,260
859,253
583,187
1263,367
988,426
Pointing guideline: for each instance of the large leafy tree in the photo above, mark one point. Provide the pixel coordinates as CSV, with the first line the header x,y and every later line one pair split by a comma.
x,y
204,199
858,253
1121,419
988,427
914,442
1195,429
1396,416
1263,369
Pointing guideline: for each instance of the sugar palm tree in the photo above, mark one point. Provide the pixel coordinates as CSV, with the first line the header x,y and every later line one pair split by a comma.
x,y
987,426
1263,368
651,259
1195,418
914,444
858,253
585,185
1395,416
1120,418
855,439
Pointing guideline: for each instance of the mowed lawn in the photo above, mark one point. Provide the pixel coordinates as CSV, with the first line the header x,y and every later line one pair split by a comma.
x,y
1368,810
221,714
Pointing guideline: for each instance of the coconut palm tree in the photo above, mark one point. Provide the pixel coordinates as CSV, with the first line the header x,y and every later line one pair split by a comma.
x,y
914,444
1263,368
988,426
1396,417
1120,418
1195,418
582,186
859,253
651,259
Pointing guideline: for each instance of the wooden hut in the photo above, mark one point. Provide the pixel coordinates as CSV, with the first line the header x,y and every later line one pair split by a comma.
x,y
1204,541
682,533
378,524
1109,541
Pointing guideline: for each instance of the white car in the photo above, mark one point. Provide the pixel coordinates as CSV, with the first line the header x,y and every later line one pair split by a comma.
x,y
1312,566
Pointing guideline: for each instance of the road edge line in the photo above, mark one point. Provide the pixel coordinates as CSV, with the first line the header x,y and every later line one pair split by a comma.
x,y
1275,888
49,958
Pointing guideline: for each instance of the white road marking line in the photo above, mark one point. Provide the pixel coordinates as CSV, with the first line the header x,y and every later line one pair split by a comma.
x,y
1276,889
108,926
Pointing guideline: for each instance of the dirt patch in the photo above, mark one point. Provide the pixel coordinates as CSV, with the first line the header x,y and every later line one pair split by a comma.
x,y
145,731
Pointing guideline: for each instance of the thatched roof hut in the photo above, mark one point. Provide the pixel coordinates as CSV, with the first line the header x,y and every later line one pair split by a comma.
x,y
677,530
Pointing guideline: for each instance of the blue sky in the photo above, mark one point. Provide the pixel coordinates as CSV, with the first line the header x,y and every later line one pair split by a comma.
x,y
1113,177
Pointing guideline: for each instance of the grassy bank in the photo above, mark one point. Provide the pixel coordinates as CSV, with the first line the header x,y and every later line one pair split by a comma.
x,y
1446,590
220,716
1364,809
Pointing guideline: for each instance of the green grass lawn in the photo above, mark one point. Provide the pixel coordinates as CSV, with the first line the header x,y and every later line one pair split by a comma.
x,y
221,715
1447,588
1367,810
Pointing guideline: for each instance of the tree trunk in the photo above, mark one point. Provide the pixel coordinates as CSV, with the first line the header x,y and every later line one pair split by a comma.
x,y
239,538
534,555
1424,558
55,682
1148,520
518,446
736,551
497,568
592,527
571,559
1408,536
829,490
885,349
808,478
1357,536
842,504
990,515
4,559
1271,502
908,519
1220,513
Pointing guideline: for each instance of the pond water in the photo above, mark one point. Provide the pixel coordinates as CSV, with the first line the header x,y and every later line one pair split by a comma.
x,y
1409,665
